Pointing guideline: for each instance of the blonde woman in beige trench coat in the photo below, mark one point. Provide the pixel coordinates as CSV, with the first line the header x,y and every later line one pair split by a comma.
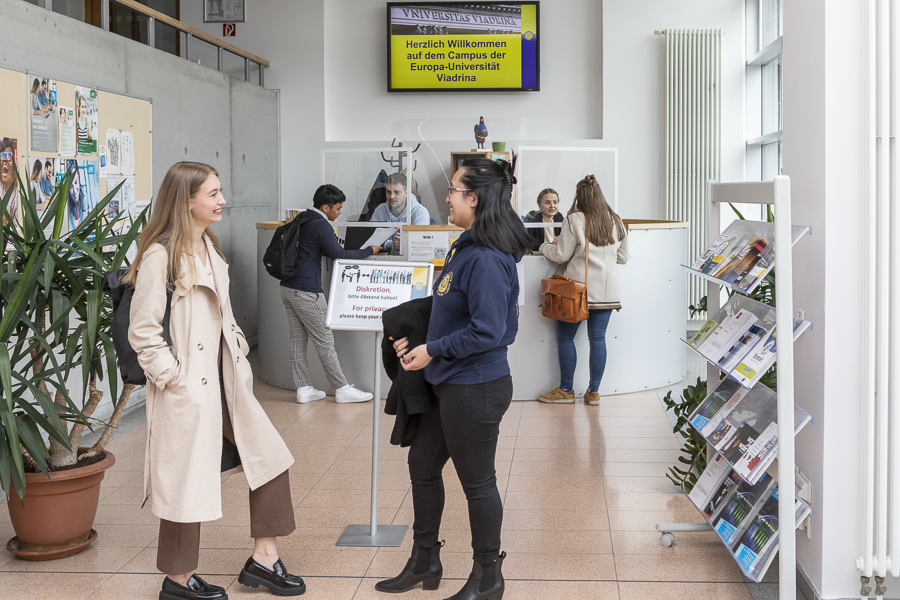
x,y
200,392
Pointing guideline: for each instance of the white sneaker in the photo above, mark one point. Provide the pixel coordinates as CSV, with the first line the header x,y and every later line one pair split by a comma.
x,y
308,395
351,394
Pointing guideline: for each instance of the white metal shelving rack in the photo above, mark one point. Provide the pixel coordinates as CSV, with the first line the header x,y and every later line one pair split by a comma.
x,y
778,194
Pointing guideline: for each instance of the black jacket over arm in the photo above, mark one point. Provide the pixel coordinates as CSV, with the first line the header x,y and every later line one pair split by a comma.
x,y
410,394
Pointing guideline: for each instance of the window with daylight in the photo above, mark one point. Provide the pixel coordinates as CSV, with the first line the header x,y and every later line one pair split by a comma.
x,y
764,126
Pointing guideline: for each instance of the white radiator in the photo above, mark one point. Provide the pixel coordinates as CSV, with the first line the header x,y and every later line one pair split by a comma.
x,y
693,133
881,496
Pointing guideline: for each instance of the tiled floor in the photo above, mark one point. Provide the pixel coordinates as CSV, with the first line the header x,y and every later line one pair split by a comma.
x,y
583,489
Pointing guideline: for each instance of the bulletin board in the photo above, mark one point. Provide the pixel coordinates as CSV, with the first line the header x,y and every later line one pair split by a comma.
x,y
115,111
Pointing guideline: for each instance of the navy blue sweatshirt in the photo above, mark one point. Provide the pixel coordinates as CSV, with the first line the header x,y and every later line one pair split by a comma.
x,y
475,315
317,239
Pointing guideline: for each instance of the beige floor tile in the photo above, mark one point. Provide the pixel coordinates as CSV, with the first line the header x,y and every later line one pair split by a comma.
x,y
555,500
117,536
559,442
632,469
125,514
317,588
700,568
568,590
647,542
339,517
648,501
557,455
346,465
352,498
62,586
669,442
659,484
96,559
560,520
561,567
630,455
579,469
636,431
561,483
630,411
539,409
303,453
357,481
336,562
660,421
115,478
131,495
521,541
632,520
630,401
310,465
142,587
384,453
683,591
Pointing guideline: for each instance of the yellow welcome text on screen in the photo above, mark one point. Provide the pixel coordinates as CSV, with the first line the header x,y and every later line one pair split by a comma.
x,y
442,61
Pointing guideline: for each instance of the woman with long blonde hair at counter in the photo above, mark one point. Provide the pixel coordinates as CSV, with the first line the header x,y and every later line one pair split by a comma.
x,y
590,220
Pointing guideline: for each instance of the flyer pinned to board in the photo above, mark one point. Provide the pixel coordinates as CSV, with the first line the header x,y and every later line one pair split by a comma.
x,y
363,289
66,131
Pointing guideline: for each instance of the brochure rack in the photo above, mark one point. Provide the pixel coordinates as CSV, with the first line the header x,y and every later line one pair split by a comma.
x,y
778,194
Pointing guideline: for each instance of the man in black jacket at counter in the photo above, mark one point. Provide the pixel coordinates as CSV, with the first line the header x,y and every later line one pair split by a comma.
x,y
304,299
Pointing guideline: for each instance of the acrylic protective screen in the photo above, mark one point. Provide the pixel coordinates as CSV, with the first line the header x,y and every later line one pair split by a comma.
x,y
448,46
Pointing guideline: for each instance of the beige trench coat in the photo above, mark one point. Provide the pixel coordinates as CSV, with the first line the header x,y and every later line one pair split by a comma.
x,y
184,404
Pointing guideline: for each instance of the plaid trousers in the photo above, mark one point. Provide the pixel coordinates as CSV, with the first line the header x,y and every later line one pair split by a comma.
x,y
306,317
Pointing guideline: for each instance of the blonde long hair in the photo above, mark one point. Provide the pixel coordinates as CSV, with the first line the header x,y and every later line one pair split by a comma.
x,y
170,223
602,226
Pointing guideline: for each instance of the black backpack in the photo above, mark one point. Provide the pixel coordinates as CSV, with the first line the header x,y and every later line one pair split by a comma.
x,y
280,258
121,294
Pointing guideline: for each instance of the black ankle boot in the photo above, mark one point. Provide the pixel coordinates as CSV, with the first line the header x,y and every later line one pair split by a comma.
x,y
424,565
485,582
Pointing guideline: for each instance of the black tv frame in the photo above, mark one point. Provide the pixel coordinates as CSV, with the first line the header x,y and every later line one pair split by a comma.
x,y
537,65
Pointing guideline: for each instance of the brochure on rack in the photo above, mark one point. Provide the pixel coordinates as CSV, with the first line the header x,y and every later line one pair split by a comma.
x,y
741,424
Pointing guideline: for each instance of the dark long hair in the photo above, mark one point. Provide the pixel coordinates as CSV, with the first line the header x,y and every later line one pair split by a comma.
x,y
496,224
602,226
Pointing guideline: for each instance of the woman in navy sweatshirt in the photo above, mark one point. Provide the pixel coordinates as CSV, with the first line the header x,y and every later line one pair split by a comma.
x,y
473,320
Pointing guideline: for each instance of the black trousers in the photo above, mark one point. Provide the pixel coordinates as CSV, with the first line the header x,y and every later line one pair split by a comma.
x,y
464,427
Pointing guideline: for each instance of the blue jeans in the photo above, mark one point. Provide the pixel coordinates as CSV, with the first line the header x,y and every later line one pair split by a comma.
x,y
565,338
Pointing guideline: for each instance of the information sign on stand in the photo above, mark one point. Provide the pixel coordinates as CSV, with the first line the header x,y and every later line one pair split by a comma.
x,y
360,291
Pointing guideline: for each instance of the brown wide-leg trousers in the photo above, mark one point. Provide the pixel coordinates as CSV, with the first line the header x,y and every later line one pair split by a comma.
x,y
271,515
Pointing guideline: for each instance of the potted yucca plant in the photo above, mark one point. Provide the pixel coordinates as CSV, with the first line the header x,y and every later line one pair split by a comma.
x,y
56,319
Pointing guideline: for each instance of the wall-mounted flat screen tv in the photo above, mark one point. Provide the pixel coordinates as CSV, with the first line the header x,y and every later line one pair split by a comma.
x,y
463,47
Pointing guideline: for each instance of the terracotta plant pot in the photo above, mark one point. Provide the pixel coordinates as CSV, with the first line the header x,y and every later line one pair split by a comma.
x,y
58,513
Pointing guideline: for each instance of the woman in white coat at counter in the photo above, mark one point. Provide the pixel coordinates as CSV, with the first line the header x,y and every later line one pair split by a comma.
x,y
590,220
200,393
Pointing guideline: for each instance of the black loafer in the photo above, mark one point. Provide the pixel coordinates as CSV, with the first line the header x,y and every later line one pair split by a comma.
x,y
196,589
277,579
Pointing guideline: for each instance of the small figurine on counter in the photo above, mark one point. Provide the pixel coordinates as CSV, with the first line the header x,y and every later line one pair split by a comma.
x,y
481,133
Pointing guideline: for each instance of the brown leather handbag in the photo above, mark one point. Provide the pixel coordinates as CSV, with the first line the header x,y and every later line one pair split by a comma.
x,y
565,299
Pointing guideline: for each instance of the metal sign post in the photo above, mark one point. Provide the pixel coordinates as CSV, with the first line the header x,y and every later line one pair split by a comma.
x,y
361,290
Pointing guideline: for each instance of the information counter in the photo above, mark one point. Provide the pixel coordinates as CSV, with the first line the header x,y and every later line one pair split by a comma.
x,y
644,339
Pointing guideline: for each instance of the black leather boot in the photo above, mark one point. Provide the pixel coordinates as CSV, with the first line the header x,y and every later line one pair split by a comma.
x,y
424,565
485,582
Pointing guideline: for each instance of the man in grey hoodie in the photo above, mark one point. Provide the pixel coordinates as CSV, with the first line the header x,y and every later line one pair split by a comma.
x,y
399,200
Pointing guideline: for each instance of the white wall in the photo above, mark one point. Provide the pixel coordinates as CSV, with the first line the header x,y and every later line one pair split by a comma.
x,y
824,106
328,58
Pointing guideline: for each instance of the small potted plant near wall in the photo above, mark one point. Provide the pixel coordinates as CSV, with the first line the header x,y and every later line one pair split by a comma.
x,y
55,322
